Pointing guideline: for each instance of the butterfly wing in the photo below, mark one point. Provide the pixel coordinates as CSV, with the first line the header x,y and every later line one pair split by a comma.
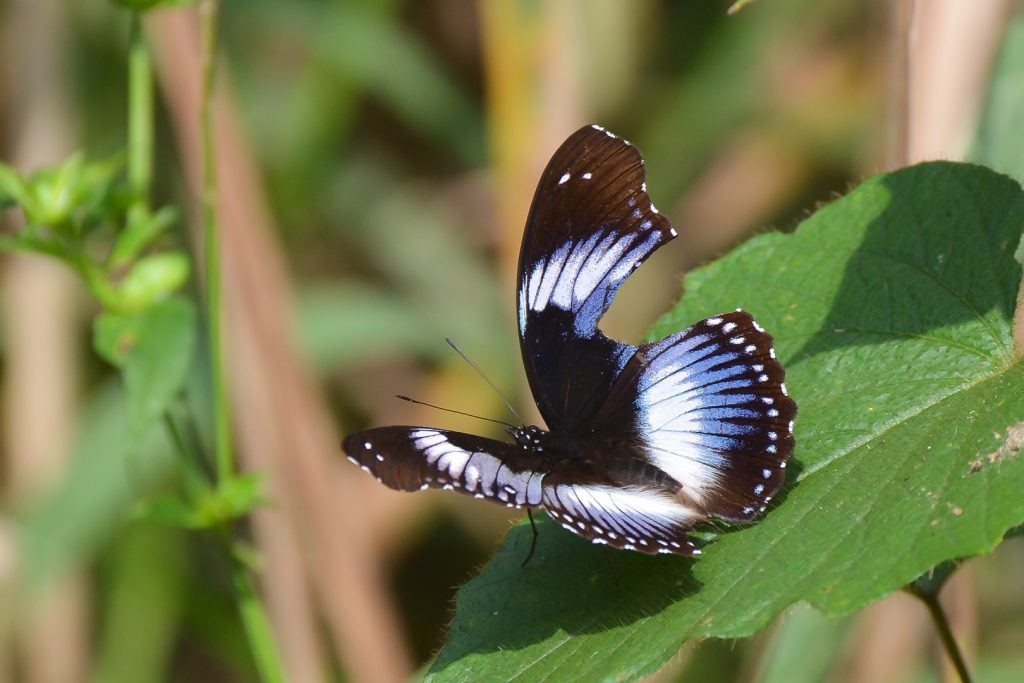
x,y
417,458
712,412
591,225
587,500
710,431
634,516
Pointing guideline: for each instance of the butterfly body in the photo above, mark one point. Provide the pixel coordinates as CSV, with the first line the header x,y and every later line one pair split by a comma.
x,y
643,442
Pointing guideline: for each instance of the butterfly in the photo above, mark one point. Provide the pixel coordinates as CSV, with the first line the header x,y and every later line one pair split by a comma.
x,y
643,442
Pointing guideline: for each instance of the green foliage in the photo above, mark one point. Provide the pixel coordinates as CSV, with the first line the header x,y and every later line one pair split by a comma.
x,y
345,104
891,309
78,211
388,326
151,279
141,606
997,143
66,203
144,331
141,230
726,79
231,500
404,234
90,503
153,349
802,647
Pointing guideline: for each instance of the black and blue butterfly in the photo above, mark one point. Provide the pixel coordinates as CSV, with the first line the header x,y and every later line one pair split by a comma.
x,y
643,442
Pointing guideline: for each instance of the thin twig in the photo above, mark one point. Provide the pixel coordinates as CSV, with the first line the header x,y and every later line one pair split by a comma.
x,y
1018,322
949,643
140,114
257,625
208,10
283,419
253,614
192,475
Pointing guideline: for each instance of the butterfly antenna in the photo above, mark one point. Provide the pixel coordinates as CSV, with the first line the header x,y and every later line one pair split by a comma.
x,y
450,410
484,377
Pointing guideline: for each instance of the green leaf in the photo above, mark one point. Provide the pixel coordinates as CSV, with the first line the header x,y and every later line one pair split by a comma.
x,y
26,242
401,72
170,510
997,143
891,310
140,232
346,325
72,197
13,190
155,368
151,279
99,490
113,336
141,606
153,349
233,498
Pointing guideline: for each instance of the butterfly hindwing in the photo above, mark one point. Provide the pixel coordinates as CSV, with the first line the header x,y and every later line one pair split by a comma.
x,y
713,412
648,520
591,224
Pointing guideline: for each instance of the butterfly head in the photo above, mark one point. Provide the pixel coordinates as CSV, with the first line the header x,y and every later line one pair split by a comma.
x,y
528,437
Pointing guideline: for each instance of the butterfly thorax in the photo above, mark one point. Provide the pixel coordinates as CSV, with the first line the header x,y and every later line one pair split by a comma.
x,y
550,445
598,459
528,437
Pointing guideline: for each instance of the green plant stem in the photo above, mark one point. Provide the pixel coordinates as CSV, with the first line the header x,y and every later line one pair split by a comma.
x,y
254,616
140,114
195,483
949,644
256,624
224,452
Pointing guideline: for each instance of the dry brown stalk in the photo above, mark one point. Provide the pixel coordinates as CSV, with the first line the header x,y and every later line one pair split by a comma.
x,y
314,529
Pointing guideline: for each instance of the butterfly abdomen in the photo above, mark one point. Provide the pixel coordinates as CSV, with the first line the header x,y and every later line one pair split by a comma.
x,y
561,447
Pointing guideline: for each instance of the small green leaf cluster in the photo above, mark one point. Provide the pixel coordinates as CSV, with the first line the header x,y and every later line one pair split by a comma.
x,y
92,217
213,508
83,214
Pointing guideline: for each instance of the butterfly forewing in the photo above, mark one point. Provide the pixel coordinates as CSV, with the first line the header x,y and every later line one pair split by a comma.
x,y
591,224
416,458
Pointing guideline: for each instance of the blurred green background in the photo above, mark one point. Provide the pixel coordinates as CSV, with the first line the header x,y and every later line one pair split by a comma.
x,y
377,162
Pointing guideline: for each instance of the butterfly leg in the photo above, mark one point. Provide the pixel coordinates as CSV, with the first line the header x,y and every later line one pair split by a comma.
x,y
533,541
611,564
